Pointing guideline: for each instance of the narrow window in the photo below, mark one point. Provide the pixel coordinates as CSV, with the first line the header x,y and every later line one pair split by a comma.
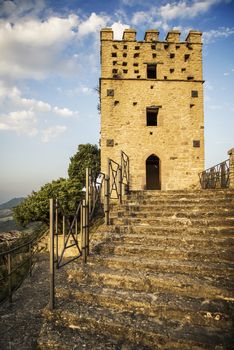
x,y
152,116
172,70
154,55
186,57
151,71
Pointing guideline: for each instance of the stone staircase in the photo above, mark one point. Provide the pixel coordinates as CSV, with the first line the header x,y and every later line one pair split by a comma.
x,y
160,277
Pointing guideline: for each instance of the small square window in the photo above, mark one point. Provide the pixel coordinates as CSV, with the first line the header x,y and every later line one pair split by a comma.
x,y
110,143
172,70
114,54
166,46
125,47
151,71
172,55
152,116
135,64
137,47
194,93
177,47
196,143
153,47
114,71
125,63
136,55
183,69
125,54
114,63
154,55
110,92
125,71
136,71
115,46
186,57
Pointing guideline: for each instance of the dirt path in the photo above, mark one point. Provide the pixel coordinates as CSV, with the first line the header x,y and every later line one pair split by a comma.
x,y
20,322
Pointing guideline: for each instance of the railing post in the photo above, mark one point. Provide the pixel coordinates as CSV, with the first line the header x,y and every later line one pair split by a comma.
x,y
9,277
84,232
107,200
56,230
64,230
88,208
51,304
231,168
120,184
30,259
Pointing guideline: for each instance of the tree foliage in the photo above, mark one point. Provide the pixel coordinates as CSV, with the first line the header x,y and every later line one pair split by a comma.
x,y
68,191
87,156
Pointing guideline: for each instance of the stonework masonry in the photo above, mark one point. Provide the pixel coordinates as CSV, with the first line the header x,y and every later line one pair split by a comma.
x,y
152,105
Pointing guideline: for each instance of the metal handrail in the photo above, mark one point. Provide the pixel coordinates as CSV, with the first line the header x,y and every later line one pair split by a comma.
x,y
98,189
30,245
216,176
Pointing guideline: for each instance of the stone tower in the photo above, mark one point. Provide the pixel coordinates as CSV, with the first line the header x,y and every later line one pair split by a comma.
x,y
152,107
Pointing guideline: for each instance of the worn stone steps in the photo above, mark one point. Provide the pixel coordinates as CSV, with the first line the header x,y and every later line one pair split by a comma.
x,y
183,252
159,277
129,327
171,221
152,282
174,240
211,231
158,264
220,214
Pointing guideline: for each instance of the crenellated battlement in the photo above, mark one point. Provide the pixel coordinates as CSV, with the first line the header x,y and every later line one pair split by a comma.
x,y
152,35
128,58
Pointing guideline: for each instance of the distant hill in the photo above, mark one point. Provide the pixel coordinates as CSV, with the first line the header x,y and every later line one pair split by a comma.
x,y
11,203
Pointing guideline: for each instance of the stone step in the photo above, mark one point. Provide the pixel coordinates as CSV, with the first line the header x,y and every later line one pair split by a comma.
x,y
175,221
220,269
171,240
143,332
171,213
153,282
182,252
166,306
227,193
179,206
159,230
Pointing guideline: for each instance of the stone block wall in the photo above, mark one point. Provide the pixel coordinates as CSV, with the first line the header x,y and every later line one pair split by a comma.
x,y
176,91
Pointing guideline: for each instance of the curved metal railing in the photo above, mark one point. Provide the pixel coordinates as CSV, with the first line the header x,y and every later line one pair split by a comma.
x,y
216,176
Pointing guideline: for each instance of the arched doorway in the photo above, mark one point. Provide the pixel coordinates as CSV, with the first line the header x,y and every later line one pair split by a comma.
x,y
153,173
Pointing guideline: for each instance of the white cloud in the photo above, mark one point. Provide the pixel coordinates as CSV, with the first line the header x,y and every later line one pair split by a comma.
x,y
185,9
22,122
64,112
92,25
118,29
52,132
212,35
141,17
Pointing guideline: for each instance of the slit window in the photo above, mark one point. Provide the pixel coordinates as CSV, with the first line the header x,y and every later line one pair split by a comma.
x,y
151,71
152,116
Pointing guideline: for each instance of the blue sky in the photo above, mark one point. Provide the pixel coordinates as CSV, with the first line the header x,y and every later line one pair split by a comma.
x,y
49,68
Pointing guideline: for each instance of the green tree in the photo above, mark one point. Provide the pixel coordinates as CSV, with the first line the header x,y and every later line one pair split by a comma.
x,y
36,206
68,191
87,156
